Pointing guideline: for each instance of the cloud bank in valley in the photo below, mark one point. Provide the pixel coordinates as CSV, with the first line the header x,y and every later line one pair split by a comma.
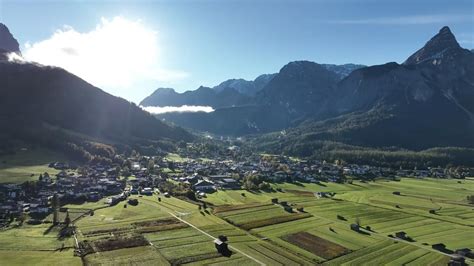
x,y
117,54
177,109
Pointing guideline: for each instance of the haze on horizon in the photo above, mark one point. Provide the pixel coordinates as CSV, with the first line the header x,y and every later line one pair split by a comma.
x,y
130,49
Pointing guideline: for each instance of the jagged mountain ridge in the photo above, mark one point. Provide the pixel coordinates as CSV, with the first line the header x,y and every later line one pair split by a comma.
x,y
246,87
426,101
8,43
203,96
232,92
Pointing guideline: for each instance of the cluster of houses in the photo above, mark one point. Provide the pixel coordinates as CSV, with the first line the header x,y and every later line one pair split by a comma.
x,y
282,168
35,198
96,181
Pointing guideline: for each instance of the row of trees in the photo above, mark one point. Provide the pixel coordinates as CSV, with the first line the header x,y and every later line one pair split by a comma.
x,y
255,182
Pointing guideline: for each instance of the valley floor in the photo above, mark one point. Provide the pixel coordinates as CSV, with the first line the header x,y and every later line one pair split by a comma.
x,y
303,231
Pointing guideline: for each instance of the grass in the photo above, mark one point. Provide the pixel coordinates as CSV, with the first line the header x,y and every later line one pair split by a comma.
x,y
137,255
117,215
257,227
174,157
32,238
27,165
28,244
21,257
374,205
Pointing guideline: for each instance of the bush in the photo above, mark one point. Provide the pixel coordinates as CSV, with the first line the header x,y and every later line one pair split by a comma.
x,y
133,202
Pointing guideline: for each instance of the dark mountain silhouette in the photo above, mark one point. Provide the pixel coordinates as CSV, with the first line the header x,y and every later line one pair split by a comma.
x,y
7,42
34,97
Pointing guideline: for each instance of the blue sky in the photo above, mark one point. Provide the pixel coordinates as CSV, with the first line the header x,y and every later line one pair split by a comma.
x,y
206,42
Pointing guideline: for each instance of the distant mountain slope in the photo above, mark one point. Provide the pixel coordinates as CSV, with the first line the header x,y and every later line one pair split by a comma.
x,y
203,96
301,87
246,87
232,92
427,101
342,70
298,91
233,121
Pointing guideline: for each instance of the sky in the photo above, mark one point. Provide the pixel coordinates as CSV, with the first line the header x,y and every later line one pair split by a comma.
x,y
131,48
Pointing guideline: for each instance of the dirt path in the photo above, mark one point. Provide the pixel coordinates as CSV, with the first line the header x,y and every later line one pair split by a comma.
x,y
210,236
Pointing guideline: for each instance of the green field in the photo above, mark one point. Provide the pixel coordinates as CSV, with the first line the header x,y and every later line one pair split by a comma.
x,y
258,231
372,204
27,165
174,157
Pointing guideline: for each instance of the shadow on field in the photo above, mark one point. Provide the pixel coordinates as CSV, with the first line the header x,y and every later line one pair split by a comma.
x,y
49,229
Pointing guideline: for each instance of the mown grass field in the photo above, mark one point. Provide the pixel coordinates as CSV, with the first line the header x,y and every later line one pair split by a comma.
x,y
372,204
262,232
35,244
27,165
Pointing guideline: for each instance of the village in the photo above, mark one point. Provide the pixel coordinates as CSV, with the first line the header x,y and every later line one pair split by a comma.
x,y
182,176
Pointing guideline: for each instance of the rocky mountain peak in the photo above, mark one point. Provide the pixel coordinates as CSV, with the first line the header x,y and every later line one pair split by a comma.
x,y
7,42
435,47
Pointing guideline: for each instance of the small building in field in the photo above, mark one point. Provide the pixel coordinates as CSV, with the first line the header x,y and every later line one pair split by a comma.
x,y
221,245
355,227
229,183
204,185
439,246
401,235
466,252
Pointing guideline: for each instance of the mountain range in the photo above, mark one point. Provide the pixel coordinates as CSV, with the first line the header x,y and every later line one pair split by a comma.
x,y
426,101
35,99
230,93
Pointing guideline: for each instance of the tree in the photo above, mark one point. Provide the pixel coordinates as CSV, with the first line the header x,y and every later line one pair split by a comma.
x,y
21,219
151,166
190,195
67,220
264,186
171,165
126,171
357,221
470,199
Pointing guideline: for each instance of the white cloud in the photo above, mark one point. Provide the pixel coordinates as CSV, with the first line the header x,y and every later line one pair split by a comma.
x,y
407,20
116,54
178,109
